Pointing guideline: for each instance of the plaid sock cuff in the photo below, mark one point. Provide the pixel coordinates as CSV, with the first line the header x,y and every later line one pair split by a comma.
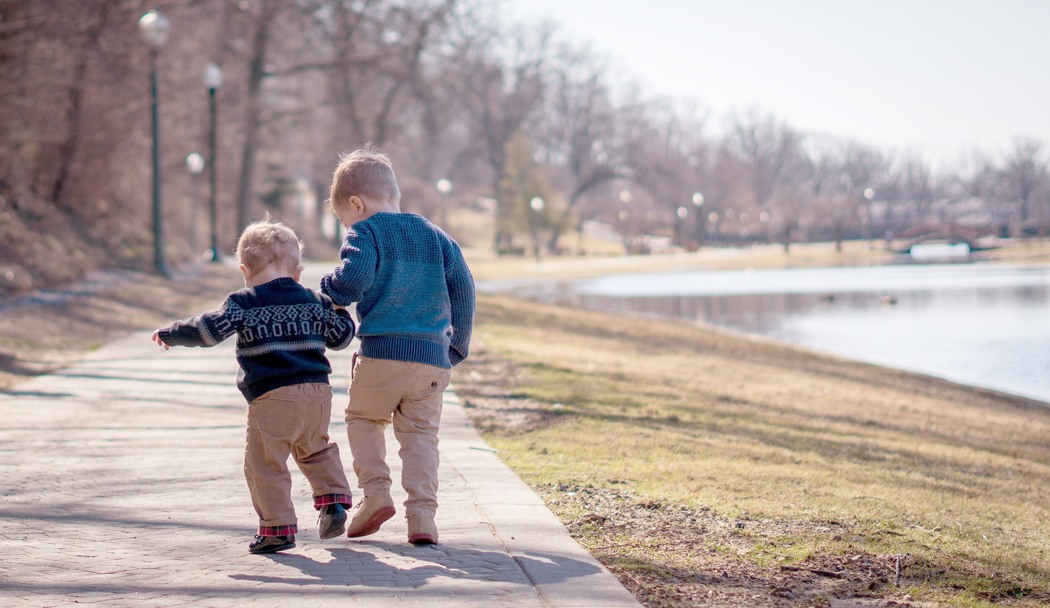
x,y
279,530
332,499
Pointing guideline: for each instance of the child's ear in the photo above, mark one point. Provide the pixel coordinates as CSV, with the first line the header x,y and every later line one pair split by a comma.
x,y
247,272
357,203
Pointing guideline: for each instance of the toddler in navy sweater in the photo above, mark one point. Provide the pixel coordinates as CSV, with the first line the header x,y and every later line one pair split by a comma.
x,y
282,330
415,306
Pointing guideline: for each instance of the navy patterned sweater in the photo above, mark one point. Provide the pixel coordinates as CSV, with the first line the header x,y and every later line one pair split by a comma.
x,y
414,292
282,329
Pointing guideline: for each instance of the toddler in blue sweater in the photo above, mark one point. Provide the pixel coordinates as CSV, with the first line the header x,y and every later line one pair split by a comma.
x,y
415,309
282,330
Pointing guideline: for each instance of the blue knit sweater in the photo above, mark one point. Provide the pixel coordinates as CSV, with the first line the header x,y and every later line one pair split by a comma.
x,y
282,329
414,292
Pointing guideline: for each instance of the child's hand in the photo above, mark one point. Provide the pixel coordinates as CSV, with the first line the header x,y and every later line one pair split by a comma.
x,y
156,338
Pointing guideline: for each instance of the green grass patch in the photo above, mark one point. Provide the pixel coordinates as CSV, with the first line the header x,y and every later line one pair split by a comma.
x,y
767,457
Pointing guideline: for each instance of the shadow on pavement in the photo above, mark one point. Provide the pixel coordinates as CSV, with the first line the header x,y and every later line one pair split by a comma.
x,y
155,380
350,567
41,394
100,520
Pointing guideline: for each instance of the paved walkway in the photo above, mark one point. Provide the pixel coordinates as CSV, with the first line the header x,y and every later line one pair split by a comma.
x,y
121,485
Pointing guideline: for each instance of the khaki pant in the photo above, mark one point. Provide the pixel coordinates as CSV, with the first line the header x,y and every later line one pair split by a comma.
x,y
409,394
291,420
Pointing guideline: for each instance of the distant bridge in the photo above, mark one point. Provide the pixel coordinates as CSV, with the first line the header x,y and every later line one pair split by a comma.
x,y
1034,227
942,231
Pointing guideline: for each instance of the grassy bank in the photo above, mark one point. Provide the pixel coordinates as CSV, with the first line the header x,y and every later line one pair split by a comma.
x,y
703,467
487,266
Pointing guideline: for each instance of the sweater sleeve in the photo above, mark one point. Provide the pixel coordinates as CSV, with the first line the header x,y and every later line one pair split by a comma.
x,y
339,327
356,271
462,299
207,329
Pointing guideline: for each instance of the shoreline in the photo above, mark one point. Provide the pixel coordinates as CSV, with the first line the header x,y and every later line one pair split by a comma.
x,y
550,289
486,265
754,337
801,348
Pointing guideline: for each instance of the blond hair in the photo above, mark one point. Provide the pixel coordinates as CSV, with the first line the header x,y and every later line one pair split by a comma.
x,y
265,242
367,173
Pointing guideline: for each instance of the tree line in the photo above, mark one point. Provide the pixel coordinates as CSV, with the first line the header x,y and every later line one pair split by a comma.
x,y
511,118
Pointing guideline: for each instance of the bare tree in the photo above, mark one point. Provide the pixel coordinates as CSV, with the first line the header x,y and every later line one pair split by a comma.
x,y
578,131
843,181
384,73
263,15
768,148
985,183
725,181
918,187
1024,174
668,158
439,136
771,155
499,95
374,53
74,128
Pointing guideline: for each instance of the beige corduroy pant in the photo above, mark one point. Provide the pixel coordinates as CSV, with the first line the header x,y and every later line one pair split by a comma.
x,y
290,421
409,395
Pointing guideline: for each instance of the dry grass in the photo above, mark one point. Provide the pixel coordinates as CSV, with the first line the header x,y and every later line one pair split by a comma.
x,y
771,459
39,338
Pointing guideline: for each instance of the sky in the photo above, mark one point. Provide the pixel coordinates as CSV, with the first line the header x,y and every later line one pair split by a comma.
x,y
940,78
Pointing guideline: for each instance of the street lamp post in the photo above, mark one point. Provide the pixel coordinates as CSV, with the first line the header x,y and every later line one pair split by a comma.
x,y
679,226
444,188
154,28
212,81
869,196
625,218
195,165
712,218
536,204
698,225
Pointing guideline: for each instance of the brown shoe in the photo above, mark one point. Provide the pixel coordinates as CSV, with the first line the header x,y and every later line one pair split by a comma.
x,y
422,530
371,513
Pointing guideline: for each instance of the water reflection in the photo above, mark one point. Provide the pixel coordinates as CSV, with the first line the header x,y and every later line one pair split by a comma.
x,y
985,325
763,314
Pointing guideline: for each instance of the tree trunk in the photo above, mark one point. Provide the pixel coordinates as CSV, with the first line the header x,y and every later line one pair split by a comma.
x,y
257,71
67,150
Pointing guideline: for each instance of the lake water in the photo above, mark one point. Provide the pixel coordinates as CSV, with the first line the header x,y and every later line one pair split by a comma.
x,y
985,325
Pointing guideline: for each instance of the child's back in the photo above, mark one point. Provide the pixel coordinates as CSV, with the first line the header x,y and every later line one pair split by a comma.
x,y
282,330
415,305
414,293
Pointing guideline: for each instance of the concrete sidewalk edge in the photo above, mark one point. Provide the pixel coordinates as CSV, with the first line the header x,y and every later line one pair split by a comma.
x,y
537,540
